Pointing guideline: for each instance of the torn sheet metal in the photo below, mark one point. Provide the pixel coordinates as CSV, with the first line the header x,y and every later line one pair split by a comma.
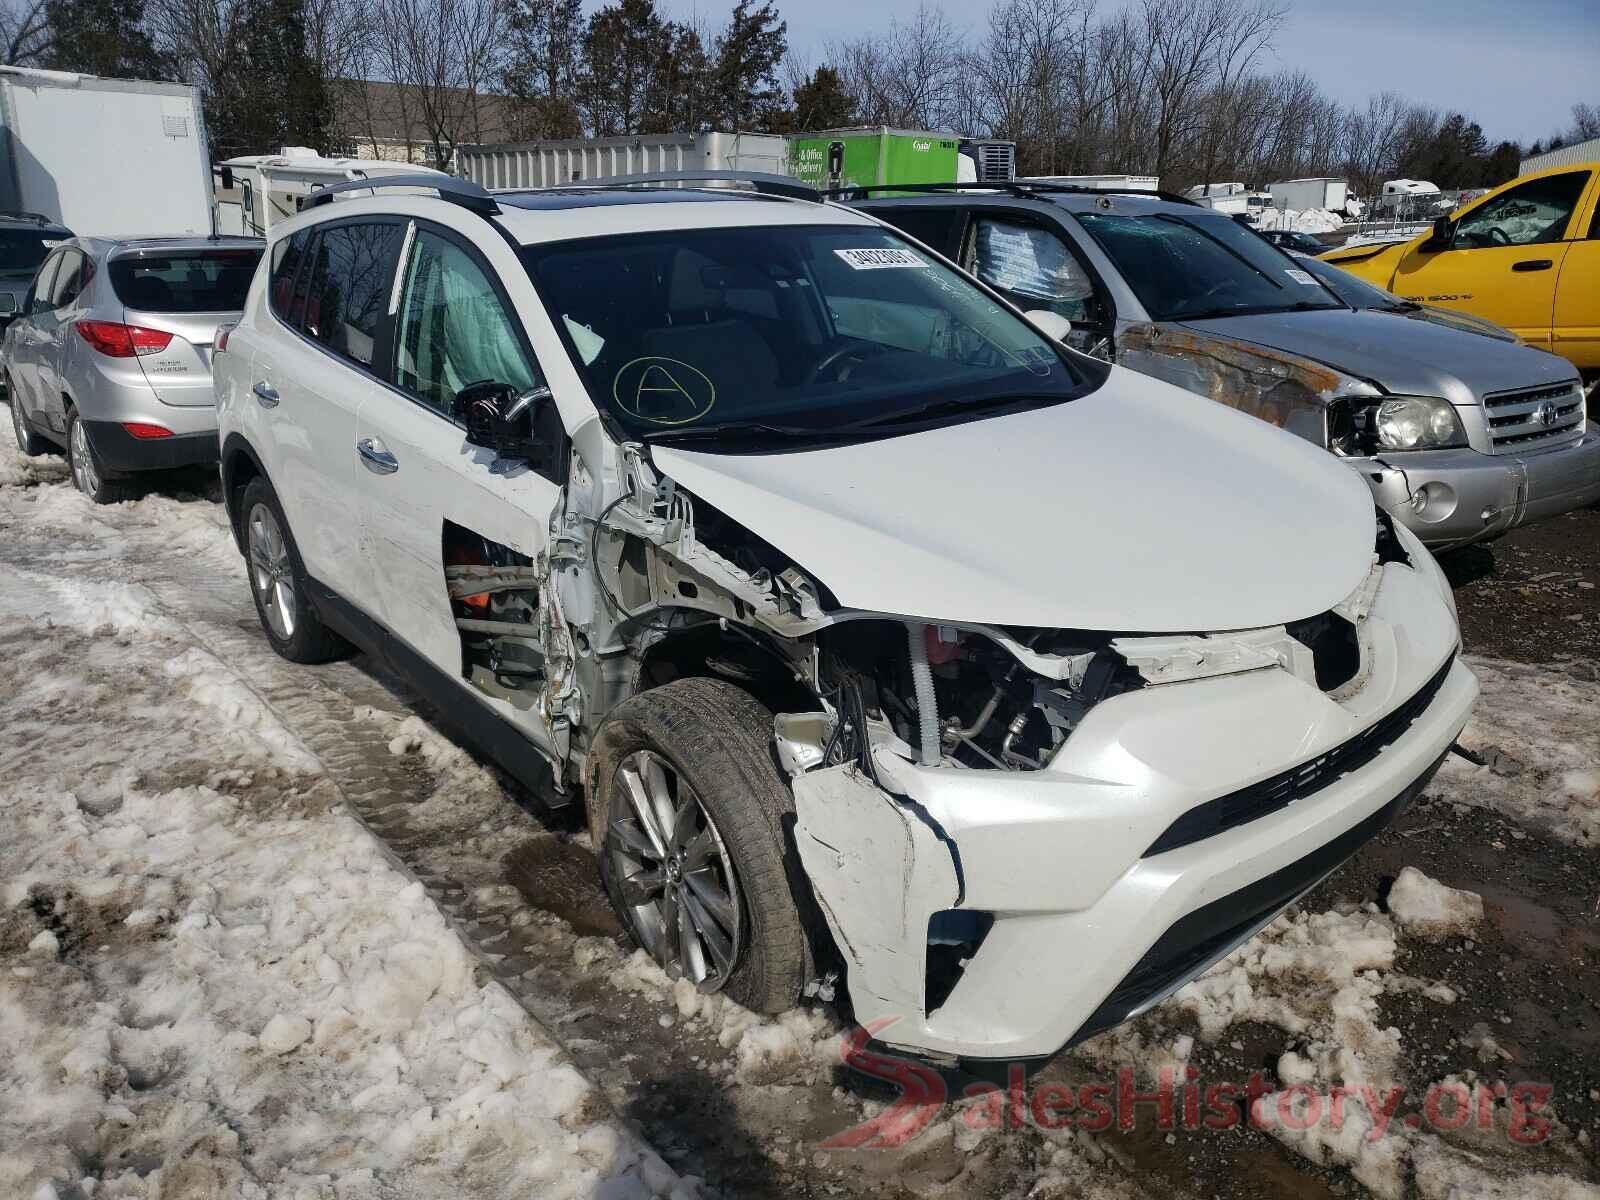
x,y
879,871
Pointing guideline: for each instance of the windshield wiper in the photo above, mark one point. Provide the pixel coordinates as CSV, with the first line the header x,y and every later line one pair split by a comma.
x,y
731,429
939,408
1254,310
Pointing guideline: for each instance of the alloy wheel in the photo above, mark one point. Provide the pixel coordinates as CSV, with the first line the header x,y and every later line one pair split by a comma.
x,y
678,886
84,471
271,572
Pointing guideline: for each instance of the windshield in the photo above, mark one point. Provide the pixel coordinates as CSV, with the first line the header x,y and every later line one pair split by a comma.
x,y
1187,267
1355,292
789,335
191,281
22,250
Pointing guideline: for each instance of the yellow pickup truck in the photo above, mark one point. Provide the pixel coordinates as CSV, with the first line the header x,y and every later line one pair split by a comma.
x,y
1526,256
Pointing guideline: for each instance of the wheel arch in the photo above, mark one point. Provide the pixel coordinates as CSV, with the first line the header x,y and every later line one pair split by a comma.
x,y
747,659
240,464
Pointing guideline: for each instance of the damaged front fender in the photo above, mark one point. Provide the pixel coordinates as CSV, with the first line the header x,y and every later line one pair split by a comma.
x,y
1293,393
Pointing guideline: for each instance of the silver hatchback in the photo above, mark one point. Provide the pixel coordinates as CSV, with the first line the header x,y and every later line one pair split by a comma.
x,y
110,357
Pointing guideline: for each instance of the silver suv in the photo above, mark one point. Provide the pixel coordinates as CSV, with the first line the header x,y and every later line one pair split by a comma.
x,y
110,357
1462,437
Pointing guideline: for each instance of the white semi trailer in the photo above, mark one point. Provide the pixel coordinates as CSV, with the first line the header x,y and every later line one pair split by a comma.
x,y
104,156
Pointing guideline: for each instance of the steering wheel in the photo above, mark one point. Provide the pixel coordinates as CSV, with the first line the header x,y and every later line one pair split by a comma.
x,y
1497,236
860,350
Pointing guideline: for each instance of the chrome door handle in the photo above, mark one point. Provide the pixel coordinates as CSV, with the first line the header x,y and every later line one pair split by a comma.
x,y
266,394
375,458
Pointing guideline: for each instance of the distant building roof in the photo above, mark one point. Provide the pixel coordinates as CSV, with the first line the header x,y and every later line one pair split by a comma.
x,y
1562,156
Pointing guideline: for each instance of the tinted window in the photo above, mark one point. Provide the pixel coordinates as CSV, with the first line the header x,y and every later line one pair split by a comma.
x,y
351,273
39,294
453,329
197,281
287,256
934,227
73,274
22,250
1536,211
1189,267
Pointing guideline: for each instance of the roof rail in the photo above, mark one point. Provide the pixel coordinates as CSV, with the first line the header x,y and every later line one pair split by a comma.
x,y
765,183
461,192
1016,187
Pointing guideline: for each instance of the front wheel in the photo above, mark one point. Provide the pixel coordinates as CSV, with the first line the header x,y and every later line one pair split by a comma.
x,y
688,813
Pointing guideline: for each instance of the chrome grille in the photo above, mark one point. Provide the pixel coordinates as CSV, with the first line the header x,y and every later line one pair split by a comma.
x,y
1534,418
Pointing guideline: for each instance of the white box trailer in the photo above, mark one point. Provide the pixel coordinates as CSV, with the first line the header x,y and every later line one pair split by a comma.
x,y
572,160
1303,194
104,156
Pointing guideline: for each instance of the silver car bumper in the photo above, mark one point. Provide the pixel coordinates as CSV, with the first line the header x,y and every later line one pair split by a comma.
x,y
1455,497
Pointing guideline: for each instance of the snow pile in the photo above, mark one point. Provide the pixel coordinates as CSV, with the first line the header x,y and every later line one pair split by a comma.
x,y
19,471
1308,220
208,991
83,604
1538,730
1428,909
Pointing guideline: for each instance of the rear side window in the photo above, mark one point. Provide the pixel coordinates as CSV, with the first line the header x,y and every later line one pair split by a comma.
x,y
348,297
287,255
935,227
70,279
22,250
198,281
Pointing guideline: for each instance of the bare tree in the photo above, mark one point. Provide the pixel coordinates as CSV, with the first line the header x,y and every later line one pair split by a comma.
x,y
445,53
913,76
25,32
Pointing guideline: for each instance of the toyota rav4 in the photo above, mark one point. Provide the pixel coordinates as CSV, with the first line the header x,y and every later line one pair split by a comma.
x,y
887,641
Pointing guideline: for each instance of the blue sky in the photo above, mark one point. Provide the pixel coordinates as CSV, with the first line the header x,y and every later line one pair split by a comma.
x,y
1515,66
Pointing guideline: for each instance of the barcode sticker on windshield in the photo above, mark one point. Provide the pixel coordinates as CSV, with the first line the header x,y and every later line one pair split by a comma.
x,y
873,260
1299,276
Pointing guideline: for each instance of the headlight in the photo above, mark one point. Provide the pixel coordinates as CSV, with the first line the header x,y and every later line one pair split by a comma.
x,y
1418,423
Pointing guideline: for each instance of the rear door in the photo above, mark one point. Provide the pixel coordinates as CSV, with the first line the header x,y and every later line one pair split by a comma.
x,y
432,497
25,342
186,294
53,327
328,296
1505,255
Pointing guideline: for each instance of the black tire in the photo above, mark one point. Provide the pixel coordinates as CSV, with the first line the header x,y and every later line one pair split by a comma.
x,y
304,639
28,441
88,473
718,739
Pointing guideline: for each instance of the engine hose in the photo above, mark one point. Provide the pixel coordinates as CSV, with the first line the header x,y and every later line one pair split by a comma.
x,y
927,702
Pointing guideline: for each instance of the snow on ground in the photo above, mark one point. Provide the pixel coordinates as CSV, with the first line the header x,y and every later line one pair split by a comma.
x,y
212,981
1539,730
1427,908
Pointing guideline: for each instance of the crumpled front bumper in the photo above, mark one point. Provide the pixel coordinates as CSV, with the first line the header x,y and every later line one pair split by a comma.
x,y
1455,497
1062,859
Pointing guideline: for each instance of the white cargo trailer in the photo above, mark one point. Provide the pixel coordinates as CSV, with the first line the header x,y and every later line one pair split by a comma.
x,y
572,160
104,156
256,191
1302,194
1104,183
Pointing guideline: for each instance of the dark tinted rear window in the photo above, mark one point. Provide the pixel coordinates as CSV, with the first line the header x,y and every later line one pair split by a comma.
x,y
199,281
22,250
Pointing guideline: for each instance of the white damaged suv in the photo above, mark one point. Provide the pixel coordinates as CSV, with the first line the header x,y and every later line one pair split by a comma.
x,y
887,641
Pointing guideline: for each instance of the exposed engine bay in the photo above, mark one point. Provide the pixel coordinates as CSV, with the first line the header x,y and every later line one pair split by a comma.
x,y
658,584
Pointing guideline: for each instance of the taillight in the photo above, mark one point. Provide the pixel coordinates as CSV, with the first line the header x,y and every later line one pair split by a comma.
x,y
122,341
220,342
145,431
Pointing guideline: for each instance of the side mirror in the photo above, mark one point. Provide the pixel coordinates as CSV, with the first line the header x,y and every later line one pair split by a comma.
x,y
1053,325
498,418
1444,232
226,174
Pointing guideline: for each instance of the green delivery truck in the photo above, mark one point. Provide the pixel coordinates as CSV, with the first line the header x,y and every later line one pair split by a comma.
x,y
877,155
